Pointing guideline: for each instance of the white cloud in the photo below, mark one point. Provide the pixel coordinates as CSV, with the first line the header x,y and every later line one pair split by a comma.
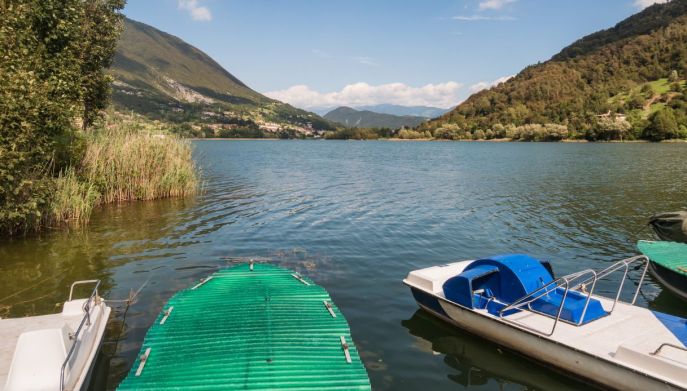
x,y
442,95
494,4
321,53
645,3
483,85
369,61
198,13
482,17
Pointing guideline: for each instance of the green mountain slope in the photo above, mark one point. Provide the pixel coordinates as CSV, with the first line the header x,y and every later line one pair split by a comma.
x,y
163,77
604,86
353,118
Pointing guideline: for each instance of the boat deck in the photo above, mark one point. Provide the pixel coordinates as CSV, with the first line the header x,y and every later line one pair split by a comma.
x,y
240,329
11,329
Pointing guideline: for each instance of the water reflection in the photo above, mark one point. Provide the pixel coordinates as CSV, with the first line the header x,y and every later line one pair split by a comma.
x,y
479,364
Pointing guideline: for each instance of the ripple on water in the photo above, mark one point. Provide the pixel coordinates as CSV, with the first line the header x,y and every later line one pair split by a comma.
x,y
356,217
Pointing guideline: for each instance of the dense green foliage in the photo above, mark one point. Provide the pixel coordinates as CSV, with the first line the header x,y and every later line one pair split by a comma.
x,y
164,78
353,118
100,33
603,87
360,134
46,83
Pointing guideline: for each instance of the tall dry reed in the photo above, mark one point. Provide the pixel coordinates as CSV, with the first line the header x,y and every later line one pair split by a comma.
x,y
123,162
126,164
73,199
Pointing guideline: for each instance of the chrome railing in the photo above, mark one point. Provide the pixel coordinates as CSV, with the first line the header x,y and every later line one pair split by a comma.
x,y
85,321
575,281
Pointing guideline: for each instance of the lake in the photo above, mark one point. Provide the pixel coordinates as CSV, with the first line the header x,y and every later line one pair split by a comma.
x,y
356,217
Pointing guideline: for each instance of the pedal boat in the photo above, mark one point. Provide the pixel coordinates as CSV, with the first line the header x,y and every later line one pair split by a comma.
x,y
53,352
516,302
668,264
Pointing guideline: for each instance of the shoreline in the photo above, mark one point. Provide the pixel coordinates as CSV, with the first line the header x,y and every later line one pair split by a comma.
x,y
498,140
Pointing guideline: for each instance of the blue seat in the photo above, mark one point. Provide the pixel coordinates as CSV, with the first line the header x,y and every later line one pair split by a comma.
x,y
573,307
459,289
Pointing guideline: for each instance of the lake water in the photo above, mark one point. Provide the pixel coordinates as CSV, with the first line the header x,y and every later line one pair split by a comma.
x,y
356,217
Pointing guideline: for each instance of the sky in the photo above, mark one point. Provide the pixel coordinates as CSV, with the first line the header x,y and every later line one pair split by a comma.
x,y
327,53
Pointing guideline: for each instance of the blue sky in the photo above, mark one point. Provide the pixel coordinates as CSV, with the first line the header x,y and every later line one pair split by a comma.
x,y
323,53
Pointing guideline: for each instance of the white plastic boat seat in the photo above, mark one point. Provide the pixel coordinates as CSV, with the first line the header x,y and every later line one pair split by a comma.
x,y
38,372
432,279
74,307
573,307
669,362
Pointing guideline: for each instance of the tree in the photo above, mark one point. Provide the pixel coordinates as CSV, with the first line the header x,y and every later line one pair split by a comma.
x,y
42,92
662,126
100,33
39,84
611,128
673,77
635,101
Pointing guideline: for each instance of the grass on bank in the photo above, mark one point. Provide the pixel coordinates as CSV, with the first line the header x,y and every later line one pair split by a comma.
x,y
123,161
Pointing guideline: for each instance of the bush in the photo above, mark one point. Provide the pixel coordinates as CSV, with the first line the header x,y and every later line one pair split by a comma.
x,y
539,132
356,134
662,126
449,132
408,134
51,73
608,128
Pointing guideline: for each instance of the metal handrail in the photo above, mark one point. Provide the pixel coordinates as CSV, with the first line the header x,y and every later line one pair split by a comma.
x,y
86,320
573,278
670,345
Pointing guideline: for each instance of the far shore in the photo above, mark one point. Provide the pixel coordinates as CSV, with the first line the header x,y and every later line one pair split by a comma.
x,y
495,140
235,139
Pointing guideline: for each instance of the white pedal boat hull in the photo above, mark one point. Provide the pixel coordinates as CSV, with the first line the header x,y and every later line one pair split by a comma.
x,y
613,351
53,352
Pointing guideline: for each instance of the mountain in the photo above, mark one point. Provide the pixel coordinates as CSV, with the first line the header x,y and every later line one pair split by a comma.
x,y
353,118
385,108
415,111
610,84
161,76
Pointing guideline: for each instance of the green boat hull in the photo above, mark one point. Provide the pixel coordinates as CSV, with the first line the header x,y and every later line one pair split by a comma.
x,y
668,264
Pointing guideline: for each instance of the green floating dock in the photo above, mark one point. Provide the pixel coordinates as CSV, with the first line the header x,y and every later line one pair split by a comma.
x,y
261,329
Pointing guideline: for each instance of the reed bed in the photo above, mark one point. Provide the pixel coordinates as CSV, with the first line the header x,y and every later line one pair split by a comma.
x,y
73,200
124,162
128,165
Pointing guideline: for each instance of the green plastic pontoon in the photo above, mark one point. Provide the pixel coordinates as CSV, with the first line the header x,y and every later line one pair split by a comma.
x,y
249,327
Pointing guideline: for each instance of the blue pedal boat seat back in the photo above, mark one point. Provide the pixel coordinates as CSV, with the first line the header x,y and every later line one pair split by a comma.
x,y
495,282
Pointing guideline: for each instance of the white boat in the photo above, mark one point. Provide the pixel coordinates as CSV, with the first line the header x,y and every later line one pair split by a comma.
x,y
515,301
53,352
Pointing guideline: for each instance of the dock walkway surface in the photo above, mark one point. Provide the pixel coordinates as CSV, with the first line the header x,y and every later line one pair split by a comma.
x,y
266,328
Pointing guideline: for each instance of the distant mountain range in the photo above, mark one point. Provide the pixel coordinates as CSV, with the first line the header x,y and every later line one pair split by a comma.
x,y
414,111
161,76
353,118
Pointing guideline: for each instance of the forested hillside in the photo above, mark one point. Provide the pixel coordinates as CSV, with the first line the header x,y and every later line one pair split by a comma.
x,y
162,77
626,82
352,118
